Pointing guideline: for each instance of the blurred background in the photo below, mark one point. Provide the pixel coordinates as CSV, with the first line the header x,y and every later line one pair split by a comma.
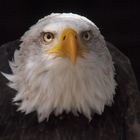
x,y
117,20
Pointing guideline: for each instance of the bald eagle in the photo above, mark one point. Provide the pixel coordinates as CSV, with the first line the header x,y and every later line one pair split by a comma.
x,y
63,65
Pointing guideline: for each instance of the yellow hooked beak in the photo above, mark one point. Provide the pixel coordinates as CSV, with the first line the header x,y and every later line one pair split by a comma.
x,y
68,45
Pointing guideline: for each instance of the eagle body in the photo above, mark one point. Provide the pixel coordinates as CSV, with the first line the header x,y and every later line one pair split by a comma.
x,y
73,72
118,122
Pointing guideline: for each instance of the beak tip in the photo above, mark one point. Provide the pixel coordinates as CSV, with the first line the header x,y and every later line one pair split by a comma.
x,y
73,61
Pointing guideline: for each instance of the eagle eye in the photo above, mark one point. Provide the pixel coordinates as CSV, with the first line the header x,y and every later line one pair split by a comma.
x,y
48,37
86,35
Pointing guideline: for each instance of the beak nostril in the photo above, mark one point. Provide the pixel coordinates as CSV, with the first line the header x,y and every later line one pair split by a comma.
x,y
64,37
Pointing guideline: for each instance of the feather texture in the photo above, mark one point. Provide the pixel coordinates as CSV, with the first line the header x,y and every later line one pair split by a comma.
x,y
48,84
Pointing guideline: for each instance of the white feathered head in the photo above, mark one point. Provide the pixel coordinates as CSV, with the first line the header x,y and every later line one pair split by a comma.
x,y
63,65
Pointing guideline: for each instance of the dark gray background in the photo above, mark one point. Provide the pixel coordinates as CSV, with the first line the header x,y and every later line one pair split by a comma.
x,y
117,20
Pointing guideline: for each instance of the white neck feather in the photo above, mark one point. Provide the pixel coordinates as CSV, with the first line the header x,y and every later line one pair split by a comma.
x,y
56,85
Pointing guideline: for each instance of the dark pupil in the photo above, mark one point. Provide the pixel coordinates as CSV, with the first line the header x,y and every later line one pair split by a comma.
x,y
86,35
49,36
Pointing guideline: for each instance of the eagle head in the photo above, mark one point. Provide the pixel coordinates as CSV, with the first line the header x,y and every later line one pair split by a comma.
x,y
63,65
